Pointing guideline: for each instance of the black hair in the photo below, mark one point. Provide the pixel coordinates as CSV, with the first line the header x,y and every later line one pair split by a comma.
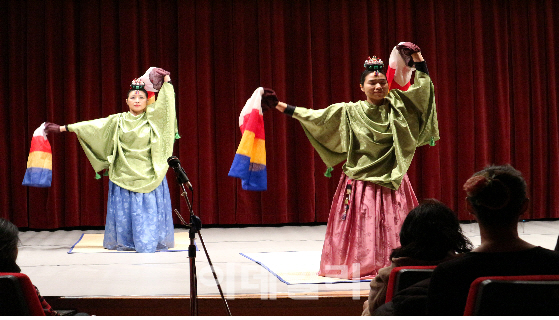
x,y
496,194
366,72
143,90
429,232
9,240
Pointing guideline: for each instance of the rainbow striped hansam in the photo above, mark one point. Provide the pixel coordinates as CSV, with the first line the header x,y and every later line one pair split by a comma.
x,y
249,163
39,163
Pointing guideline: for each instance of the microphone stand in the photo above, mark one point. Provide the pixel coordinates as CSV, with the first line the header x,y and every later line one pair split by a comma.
x,y
194,228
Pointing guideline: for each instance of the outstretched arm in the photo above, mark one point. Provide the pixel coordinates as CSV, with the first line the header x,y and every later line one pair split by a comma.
x,y
286,108
281,106
53,128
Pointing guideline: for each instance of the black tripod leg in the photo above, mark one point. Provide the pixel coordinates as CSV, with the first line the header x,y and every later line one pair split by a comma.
x,y
193,277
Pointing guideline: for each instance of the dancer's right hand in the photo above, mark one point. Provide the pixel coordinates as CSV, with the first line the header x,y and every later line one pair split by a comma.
x,y
51,128
281,106
269,99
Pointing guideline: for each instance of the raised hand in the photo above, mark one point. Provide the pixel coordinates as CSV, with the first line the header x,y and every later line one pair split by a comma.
x,y
157,76
406,50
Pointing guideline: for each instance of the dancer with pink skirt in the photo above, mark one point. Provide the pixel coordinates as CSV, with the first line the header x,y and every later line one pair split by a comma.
x,y
377,139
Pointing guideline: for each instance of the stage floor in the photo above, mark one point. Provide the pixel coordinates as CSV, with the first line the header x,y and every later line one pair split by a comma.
x,y
44,257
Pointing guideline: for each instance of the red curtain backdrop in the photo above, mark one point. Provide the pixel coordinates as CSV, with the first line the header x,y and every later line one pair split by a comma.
x,y
493,63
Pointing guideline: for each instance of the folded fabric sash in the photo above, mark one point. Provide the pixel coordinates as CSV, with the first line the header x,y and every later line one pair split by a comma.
x,y
398,74
39,163
249,163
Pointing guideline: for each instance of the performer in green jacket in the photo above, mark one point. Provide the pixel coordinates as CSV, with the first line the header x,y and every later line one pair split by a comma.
x,y
134,146
377,139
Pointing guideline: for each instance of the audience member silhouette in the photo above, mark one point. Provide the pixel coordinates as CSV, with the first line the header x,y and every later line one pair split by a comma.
x,y
496,196
9,240
430,234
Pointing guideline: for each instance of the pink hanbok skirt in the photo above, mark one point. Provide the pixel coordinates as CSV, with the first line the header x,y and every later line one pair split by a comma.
x,y
359,240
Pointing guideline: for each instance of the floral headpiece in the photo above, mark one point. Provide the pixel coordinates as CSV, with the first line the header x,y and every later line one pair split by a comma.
x,y
374,64
137,86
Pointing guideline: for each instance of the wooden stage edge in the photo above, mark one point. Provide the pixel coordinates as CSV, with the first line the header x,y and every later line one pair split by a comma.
x,y
333,303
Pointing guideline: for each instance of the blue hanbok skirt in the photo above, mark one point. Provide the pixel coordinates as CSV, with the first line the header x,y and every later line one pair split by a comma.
x,y
139,221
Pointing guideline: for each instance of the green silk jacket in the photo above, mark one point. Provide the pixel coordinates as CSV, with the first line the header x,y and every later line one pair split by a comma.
x,y
376,142
134,148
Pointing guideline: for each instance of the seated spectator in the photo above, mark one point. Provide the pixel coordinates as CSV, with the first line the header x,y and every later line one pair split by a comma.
x,y
496,196
430,234
9,240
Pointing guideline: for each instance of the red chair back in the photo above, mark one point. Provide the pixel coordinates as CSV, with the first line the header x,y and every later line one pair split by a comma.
x,y
403,277
514,295
18,296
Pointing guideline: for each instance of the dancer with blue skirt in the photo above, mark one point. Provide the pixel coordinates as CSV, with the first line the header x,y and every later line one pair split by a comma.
x,y
133,148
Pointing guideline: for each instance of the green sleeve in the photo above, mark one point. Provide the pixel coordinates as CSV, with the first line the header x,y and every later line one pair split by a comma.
x,y
162,118
97,140
326,129
417,105
161,114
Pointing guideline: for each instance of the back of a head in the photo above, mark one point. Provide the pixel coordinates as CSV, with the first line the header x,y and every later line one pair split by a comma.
x,y
429,232
8,246
496,194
